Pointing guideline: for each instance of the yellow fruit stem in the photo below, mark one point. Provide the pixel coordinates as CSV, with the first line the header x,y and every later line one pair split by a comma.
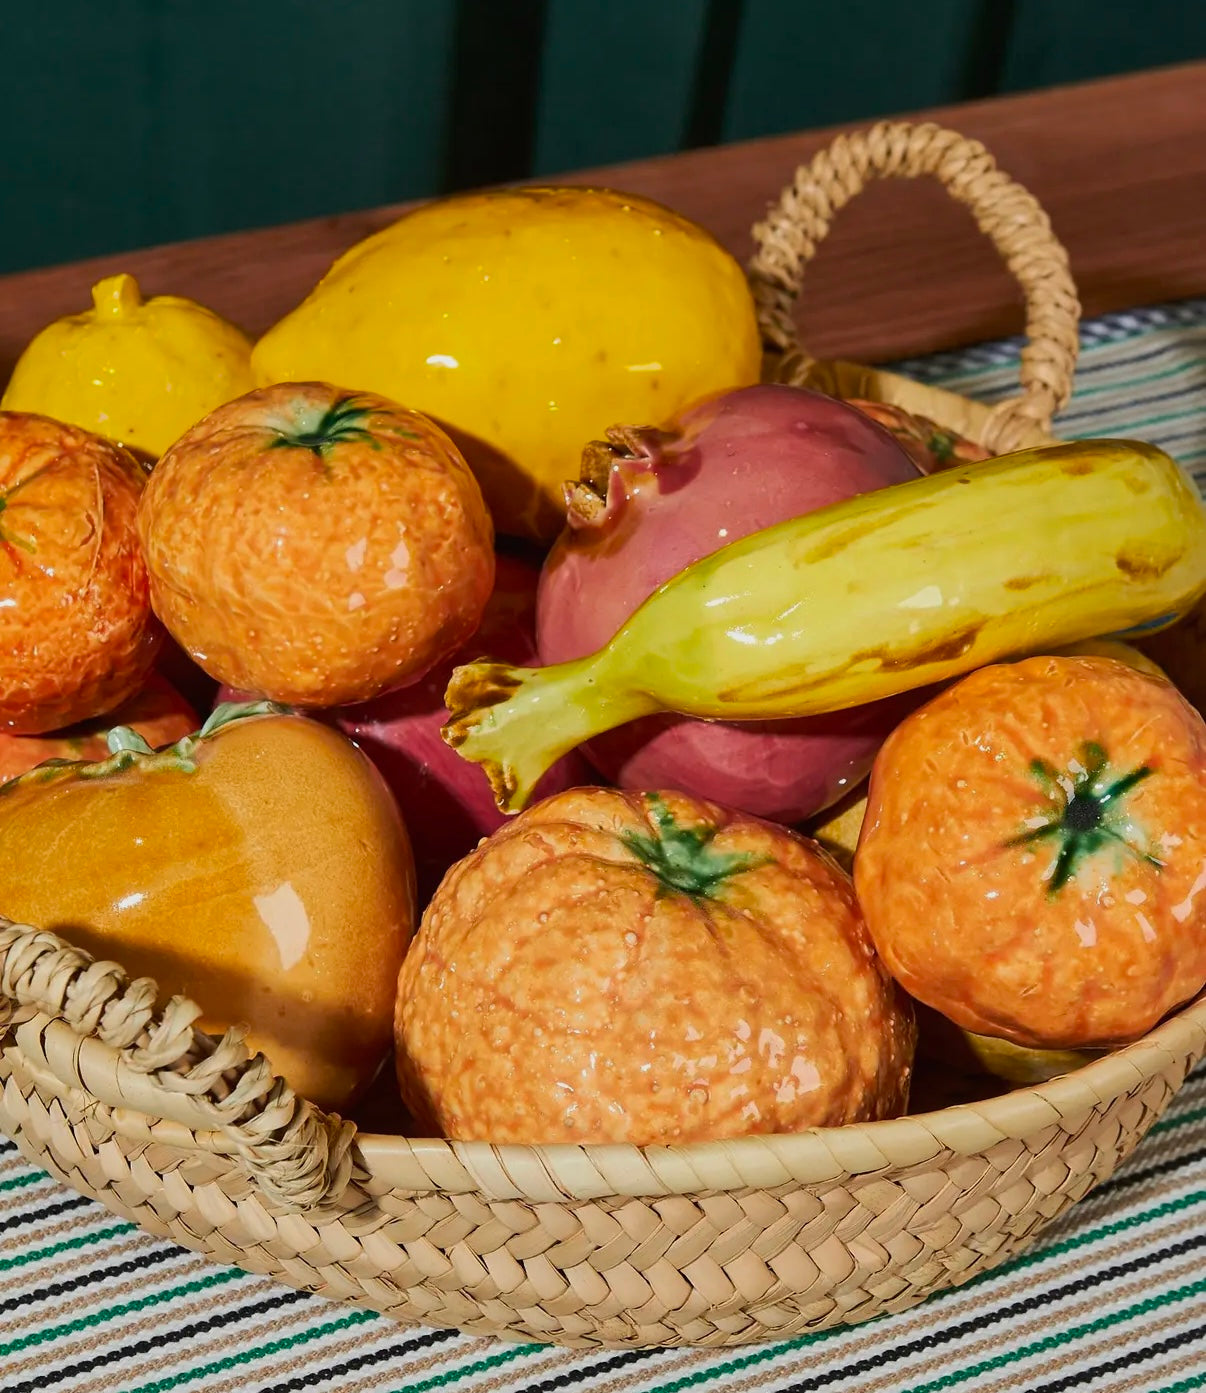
x,y
116,296
516,722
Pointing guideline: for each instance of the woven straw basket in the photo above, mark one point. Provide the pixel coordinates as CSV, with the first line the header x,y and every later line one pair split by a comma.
x,y
711,1244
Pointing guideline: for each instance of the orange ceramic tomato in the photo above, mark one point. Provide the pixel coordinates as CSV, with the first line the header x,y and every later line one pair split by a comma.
x,y
1033,858
643,967
77,636
930,446
260,868
158,713
316,546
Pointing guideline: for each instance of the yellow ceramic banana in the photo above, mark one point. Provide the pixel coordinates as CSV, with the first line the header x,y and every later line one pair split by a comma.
x,y
875,595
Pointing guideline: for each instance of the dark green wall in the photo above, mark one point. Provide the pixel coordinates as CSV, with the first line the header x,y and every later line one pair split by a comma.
x,y
130,122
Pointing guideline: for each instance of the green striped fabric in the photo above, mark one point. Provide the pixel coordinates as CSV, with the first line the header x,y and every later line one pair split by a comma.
x,y
1113,1296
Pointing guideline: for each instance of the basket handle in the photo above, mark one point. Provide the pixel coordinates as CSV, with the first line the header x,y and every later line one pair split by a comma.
x,y
1020,230
297,1155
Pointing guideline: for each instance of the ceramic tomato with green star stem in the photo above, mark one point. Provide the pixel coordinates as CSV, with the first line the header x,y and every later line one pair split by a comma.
x,y
1033,859
316,546
649,968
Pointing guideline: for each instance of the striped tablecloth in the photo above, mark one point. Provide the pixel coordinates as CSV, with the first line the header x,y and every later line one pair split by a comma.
x,y
1113,1296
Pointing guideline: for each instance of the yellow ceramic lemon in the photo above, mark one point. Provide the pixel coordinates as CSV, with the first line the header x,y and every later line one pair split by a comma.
x,y
527,321
139,371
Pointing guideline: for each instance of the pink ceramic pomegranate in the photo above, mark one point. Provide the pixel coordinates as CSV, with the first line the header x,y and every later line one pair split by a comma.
x,y
649,504
446,801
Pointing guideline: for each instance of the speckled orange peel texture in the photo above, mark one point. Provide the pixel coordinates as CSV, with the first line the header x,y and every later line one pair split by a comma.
x,y
646,968
1033,857
316,546
77,633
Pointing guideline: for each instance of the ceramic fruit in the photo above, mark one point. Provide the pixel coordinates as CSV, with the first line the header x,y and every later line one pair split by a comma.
x,y
891,591
138,371
316,546
77,635
646,968
1180,650
1021,1066
652,501
527,321
930,446
838,828
445,800
157,712
1034,852
260,869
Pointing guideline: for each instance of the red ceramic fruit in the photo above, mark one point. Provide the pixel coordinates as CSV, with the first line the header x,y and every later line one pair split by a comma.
x,y
158,713
77,635
650,503
445,799
1032,863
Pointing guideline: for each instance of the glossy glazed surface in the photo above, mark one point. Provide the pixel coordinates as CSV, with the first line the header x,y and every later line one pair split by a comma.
x,y
730,466
272,884
316,546
138,371
527,321
156,711
884,593
445,800
622,967
1033,858
930,446
76,630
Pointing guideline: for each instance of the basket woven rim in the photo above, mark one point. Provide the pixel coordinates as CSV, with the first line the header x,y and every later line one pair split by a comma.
x,y
590,1170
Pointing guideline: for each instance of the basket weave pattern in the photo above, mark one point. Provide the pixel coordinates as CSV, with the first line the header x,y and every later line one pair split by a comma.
x,y
1010,216
715,1243
710,1244
701,1266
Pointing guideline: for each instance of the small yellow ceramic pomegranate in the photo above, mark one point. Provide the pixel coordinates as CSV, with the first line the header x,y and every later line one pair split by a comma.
x,y
527,321
77,635
646,968
316,546
259,868
138,371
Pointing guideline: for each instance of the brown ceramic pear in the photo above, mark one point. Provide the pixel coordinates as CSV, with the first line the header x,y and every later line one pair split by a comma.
x,y
260,868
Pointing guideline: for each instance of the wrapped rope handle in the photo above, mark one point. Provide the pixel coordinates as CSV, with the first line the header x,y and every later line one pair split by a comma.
x,y
1012,218
297,1155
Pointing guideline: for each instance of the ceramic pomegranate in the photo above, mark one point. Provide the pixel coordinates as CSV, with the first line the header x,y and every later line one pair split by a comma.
x,y
649,503
447,802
